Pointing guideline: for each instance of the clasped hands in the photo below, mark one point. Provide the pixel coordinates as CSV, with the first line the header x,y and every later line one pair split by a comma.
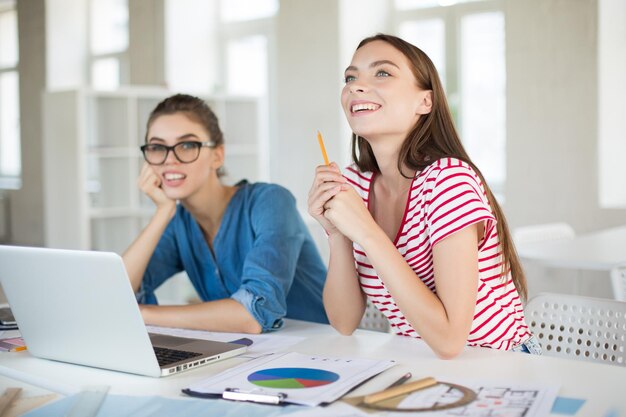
x,y
336,205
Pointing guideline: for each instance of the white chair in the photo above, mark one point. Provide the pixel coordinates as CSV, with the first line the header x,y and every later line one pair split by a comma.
x,y
577,327
373,319
542,233
618,281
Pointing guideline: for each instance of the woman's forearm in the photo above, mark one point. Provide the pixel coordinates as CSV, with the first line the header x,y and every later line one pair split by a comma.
x,y
138,254
226,315
444,319
343,299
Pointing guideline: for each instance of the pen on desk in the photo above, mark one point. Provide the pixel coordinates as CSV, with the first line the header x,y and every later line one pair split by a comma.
x,y
255,396
401,380
399,390
322,147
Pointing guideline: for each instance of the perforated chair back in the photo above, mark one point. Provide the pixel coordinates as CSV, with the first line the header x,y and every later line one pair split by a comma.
x,y
373,319
577,327
543,233
618,281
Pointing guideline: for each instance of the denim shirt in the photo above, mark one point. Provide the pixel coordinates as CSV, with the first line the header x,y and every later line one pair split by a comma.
x,y
263,257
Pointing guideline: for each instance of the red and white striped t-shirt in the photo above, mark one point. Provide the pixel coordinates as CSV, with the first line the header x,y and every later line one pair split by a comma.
x,y
444,198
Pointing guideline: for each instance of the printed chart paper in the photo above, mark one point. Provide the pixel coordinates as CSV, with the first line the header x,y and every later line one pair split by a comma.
x,y
495,399
305,379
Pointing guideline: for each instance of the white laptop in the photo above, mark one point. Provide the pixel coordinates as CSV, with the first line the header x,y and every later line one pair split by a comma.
x,y
79,307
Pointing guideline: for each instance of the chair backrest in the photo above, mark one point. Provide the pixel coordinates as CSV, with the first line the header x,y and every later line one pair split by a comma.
x,y
373,319
618,281
577,327
543,232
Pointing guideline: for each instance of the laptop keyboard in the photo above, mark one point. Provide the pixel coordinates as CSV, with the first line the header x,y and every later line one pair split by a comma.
x,y
168,356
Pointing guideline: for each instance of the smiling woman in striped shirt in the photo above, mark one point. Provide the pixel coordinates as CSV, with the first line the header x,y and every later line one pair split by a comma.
x,y
412,225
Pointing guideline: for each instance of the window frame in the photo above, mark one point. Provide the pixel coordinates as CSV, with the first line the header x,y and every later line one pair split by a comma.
x,y
122,56
236,30
11,182
452,17
229,31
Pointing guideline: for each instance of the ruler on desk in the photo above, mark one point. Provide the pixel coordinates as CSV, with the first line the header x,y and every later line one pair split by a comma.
x,y
22,405
7,399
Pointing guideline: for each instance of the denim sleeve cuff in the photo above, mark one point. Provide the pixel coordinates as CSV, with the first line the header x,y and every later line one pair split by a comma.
x,y
140,296
255,304
145,296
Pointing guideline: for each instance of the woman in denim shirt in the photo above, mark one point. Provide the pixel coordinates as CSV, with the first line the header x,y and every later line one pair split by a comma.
x,y
245,248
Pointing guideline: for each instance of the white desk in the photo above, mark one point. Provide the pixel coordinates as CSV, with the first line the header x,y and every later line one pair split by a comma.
x,y
599,251
601,385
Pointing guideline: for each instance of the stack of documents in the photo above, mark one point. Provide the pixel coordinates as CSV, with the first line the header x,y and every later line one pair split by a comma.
x,y
12,344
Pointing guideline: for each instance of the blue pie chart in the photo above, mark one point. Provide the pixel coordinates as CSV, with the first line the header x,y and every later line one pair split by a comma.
x,y
292,378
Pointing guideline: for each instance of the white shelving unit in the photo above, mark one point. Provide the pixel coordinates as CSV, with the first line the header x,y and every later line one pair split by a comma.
x,y
91,161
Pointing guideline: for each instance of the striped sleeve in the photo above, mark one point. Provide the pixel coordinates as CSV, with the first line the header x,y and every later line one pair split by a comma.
x,y
457,200
360,181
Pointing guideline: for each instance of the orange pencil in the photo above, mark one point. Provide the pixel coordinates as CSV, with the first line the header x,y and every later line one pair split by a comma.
x,y
322,147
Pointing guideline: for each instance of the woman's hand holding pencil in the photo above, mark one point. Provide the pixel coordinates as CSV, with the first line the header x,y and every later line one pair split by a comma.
x,y
328,182
345,214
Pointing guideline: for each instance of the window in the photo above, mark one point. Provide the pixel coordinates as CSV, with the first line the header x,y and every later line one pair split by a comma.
x,y
242,10
420,4
246,46
229,42
466,42
429,35
191,35
247,27
482,87
10,157
108,43
243,55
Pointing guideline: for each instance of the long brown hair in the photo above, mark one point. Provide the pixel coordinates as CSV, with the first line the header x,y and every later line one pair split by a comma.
x,y
434,137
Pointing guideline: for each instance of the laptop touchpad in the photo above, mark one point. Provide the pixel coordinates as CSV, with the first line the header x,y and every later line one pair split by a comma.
x,y
168,341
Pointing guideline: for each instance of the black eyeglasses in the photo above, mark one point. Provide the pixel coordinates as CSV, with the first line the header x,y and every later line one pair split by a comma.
x,y
186,152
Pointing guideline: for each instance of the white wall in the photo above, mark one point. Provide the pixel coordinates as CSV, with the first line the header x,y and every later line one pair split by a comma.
x,y
4,217
146,42
552,129
307,96
552,121
552,83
